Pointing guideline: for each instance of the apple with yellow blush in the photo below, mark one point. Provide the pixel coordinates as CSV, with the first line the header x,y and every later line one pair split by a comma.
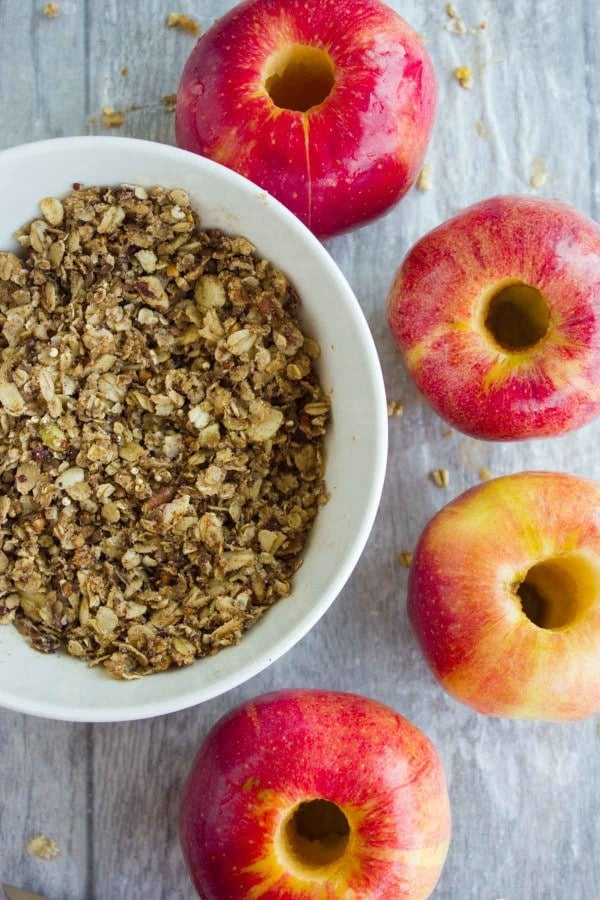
x,y
303,795
327,105
504,596
496,313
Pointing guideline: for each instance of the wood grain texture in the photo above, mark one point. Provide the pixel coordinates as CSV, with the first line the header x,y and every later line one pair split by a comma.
x,y
524,795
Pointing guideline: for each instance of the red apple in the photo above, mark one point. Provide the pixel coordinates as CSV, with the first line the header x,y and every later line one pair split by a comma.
x,y
504,596
497,315
327,105
315,795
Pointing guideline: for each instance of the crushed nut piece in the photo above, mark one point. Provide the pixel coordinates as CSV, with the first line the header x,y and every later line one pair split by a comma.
x,y
394,408
456,24
539,173
169,102
440,477
112,118
424,182
464,76
43,847
183,23
405,558
161,428
51,10
485,474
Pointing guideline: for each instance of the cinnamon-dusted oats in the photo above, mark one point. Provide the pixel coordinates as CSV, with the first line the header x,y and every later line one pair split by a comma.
x,y
161,430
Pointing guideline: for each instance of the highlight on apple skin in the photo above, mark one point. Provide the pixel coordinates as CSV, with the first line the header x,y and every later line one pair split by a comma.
x,y
504,596
304,794
496,313
327,105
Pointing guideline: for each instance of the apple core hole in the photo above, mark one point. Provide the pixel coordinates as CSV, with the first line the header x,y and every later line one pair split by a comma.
x,y
299,77
557,592
317,834
516,316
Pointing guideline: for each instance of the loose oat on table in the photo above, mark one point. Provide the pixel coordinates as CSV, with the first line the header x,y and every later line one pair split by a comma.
x,y
539,173
394,408
464,76
51,10
169,102
485,474
424,181
183,23
440,477
112,118
43,847
161,428
456,24
405,558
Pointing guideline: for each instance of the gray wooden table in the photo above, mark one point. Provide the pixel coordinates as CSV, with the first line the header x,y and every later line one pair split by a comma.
x,y
524,796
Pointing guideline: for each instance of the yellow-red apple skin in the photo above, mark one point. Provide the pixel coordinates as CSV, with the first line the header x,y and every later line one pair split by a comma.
x,y
471,628
470,383
267,756
341,163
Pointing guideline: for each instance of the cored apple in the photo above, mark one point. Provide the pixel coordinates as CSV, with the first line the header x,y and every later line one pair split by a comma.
x,y
497,315
314,794
327,105
504,596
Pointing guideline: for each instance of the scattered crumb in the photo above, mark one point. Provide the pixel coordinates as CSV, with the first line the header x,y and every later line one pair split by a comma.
x,y
183,23
464,76
394,408
125,71
112,118
405,558
539,173
43,847
447,433
456,24
482,26
51,10
485,474
424,182
440,477
169,102
482,130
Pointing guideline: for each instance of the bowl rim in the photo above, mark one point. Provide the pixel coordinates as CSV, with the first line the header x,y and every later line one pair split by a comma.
x,y
68,712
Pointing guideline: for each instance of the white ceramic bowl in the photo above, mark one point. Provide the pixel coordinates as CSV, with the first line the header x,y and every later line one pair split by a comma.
x,y
61,687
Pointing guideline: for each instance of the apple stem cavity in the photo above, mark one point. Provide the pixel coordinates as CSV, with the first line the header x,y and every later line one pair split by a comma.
x,y
299,77
516,316
315,837
556,592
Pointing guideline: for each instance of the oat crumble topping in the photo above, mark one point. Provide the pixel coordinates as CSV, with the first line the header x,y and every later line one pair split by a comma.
x,y
183,23
394,409
161,428
112,118
464,76
51,10
43,847
169,102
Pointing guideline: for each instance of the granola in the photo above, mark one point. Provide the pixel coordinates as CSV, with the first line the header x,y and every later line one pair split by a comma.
x,y
161,427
